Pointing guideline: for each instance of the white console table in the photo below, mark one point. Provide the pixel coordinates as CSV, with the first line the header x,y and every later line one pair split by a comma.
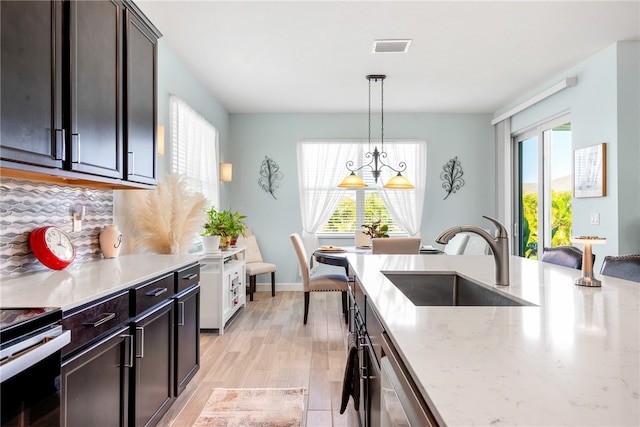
x,y
222,287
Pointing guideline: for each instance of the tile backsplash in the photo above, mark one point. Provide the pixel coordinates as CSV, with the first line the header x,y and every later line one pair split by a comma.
x,y
25,205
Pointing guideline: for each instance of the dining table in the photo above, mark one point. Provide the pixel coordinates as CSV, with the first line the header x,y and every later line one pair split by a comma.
x,y
337,255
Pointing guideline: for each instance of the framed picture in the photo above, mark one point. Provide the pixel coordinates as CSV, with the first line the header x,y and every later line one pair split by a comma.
x,y
590,171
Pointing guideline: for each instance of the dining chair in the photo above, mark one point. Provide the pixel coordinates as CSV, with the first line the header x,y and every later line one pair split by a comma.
x,y
623,267
567,256
395,245
362,239
318,282
254,264
457,244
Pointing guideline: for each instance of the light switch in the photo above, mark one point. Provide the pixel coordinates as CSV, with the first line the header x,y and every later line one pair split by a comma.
x,y
595,218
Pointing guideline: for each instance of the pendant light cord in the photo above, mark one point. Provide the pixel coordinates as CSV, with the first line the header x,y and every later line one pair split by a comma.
x,y
369,150
382,114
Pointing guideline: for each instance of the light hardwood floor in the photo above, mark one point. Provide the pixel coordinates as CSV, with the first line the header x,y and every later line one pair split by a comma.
x,y
267,345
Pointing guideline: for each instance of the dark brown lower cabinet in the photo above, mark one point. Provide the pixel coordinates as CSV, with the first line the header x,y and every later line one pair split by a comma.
x,y
153,369
187,340
95,383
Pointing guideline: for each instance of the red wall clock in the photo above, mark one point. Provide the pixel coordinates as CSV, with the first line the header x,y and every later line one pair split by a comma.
x,y
52,247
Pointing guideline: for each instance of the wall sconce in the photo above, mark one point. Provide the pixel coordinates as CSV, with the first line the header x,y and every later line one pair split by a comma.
x,y
226,172
160,140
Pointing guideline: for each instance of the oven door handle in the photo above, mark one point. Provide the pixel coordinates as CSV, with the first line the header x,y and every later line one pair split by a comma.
x,y
25,357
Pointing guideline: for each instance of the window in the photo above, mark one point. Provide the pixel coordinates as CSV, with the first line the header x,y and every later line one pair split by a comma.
x,y
194,150
544,187
327,209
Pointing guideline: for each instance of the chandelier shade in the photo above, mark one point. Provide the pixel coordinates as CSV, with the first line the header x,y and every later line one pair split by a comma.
x,y
398,182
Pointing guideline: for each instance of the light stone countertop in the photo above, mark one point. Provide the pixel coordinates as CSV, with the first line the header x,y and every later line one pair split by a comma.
x,y
81,283
573,359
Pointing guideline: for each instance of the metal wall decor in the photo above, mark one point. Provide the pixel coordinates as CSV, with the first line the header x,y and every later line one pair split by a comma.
x,y
269,176
452,176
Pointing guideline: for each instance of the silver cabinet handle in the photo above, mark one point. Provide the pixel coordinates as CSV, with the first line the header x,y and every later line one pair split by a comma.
x,y
156,292
58,144
75,148
190,276
103,319
181,313
132,163
140,337
129,341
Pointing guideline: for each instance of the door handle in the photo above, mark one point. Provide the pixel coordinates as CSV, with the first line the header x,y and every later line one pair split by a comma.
x,y
131,160
140,339
181,313
75,148
58,144
128,342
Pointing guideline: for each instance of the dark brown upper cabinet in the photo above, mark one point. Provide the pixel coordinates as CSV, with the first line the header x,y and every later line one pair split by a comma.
x,y
140,132
31,129
95,88
79,92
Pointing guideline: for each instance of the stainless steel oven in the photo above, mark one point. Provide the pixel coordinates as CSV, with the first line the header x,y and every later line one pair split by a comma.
x,y
30,353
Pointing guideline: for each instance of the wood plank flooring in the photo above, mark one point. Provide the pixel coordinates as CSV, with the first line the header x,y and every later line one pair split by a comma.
x,y
267,345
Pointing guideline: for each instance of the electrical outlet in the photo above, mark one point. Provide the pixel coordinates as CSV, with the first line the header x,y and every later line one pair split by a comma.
x,y
595,219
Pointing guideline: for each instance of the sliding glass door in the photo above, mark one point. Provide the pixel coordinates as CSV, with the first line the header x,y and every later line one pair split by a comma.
x,y
544,187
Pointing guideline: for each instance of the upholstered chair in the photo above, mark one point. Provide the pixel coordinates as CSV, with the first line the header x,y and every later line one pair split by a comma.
x,y
255,265
395,245
623,267
567,256
457,244
318,282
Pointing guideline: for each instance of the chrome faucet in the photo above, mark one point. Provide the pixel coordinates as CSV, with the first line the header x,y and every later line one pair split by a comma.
x,y
499,245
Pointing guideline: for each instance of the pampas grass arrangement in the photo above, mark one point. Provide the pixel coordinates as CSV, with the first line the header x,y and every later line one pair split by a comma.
x,y
165,220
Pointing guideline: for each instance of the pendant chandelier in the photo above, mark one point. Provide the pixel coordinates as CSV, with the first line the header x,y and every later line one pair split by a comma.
x,y
377,157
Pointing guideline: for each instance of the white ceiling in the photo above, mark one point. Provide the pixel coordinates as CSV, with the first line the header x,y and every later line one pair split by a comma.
x,y
313,56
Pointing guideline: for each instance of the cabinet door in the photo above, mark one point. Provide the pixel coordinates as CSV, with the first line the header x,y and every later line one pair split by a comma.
x,y
152,387
95,383
140,101
31,82
95,100
187,350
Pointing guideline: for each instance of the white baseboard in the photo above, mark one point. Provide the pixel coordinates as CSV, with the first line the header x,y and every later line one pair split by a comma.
x,y
260,287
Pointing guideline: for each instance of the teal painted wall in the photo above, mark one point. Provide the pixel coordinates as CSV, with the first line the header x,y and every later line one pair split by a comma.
x,y
175,79
604,107
254,136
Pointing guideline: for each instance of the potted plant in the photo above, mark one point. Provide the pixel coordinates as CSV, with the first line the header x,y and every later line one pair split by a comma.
x,y
376,229
225,225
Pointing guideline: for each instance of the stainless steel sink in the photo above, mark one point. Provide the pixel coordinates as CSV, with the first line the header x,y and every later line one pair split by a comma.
x,y
449,290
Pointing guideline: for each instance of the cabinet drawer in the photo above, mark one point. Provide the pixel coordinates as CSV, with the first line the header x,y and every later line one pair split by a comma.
x,y
187,277
147,295
89,322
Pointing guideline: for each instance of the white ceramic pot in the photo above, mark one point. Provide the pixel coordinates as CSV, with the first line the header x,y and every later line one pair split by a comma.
x,y
210,244
110,241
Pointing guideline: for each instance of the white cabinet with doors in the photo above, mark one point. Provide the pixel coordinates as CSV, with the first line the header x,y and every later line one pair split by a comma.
x,y
223,288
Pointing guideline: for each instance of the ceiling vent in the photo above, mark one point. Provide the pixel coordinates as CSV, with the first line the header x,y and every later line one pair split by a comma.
x,y
391,46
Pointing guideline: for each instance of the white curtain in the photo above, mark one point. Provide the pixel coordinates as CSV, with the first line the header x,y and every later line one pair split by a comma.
x,y
321,166
405,206
194,150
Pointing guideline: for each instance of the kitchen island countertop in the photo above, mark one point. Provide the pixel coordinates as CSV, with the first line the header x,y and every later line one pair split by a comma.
x,y
573,358
81,283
